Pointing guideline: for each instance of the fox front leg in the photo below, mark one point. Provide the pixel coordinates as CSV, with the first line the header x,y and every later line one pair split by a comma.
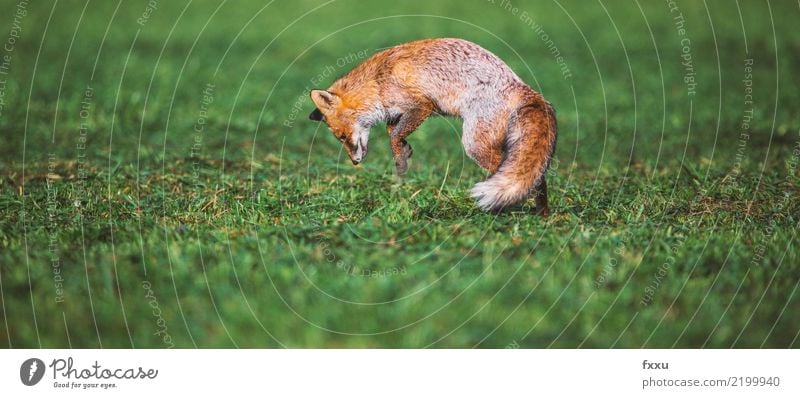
x,y
401,152
406,124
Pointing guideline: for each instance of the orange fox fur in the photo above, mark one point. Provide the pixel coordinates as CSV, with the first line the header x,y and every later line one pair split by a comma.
x,y
509,129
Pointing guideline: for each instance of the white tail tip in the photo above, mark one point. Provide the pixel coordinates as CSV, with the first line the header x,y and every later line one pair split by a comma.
x,y
495,195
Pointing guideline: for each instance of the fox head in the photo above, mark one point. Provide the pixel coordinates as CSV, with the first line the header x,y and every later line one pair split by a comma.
x,y
343,121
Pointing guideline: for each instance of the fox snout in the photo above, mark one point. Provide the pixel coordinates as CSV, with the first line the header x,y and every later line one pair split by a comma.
x,y
358,152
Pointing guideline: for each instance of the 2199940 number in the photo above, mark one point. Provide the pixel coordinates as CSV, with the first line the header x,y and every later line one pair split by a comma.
x,y
755,381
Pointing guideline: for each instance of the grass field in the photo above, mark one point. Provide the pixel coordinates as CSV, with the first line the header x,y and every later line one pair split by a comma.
x,y
161,185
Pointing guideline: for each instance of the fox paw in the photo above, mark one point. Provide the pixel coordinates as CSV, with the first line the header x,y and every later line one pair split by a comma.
x,y
401,161
401,166
407,150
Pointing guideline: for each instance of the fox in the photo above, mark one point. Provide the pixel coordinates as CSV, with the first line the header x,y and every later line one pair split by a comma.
x,y
509,129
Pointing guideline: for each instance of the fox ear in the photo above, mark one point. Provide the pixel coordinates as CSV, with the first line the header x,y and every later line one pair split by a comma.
x,y
316,115
324,100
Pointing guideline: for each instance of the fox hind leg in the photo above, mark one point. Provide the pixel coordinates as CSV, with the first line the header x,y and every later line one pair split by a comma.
x,y
484,145
541,198
488,159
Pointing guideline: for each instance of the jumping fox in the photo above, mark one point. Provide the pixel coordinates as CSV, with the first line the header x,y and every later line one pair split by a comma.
x,y
509,129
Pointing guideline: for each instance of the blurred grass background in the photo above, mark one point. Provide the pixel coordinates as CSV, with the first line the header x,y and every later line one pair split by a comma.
x,y
193,205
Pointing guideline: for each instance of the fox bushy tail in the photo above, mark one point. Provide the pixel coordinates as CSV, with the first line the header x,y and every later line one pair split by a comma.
x,y
530,142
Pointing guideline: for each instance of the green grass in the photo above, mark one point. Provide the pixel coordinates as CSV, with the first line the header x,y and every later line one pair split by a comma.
x,y
668,228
